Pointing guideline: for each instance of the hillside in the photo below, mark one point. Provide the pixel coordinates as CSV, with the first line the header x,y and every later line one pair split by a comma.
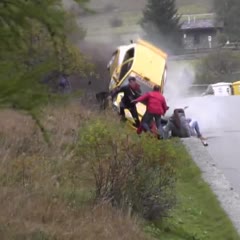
x,y
185,6
125,15
48,192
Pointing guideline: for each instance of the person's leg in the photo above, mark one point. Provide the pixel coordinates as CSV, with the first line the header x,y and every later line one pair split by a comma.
x,y
168,128
135,116
145,126
141,128
145,123
122,112
159,125
195,126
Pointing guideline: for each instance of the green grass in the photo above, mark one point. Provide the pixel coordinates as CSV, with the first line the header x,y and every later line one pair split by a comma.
x,y
198,214
130,11
52,189
130,18
194,9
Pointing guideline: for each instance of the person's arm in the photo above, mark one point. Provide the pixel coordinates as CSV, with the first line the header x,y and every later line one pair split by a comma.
x,y
116,91
164,105
142,98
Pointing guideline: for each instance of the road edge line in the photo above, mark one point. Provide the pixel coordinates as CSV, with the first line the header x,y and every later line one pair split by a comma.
x,y
227,197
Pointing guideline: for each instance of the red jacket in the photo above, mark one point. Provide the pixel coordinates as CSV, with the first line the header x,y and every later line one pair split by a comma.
x,y
156,103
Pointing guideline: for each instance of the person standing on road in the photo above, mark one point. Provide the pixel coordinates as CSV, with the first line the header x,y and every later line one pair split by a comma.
x,y
131,92
156,107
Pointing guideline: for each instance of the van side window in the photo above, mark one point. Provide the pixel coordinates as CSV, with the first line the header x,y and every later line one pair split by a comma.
x,y
127,66
113,63
129,54
114,56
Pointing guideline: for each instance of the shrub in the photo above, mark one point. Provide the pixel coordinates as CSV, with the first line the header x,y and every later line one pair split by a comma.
x,y
135,174
51,194
218,66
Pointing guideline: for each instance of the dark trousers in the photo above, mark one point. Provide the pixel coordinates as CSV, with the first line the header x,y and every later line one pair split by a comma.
x,y
133,111
147,120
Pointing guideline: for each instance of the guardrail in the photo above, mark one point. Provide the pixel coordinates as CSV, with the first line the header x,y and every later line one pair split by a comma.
x,y
200,52
194,17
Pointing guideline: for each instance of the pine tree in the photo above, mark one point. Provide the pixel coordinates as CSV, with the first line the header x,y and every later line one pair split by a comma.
x,y
161,22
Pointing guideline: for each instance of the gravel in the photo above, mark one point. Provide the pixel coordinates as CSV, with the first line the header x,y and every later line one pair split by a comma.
x,y
228,198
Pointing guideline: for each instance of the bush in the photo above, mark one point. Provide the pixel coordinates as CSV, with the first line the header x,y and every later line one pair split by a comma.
x,y
222,38
218,67
135,174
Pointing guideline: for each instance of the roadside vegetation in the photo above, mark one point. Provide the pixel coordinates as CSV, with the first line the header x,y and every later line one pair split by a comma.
x,y
228,12
97,179
218,66
35,51
198,214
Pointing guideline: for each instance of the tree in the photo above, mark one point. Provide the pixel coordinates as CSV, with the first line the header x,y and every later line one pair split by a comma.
x,y
161,23
217,67
228,12
33,43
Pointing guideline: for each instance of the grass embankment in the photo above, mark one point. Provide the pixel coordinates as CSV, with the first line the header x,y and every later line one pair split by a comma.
x,y
198,214
47,192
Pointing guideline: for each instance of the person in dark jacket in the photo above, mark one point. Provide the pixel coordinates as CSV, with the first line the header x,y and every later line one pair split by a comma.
x,y
64,83
156,107
131,92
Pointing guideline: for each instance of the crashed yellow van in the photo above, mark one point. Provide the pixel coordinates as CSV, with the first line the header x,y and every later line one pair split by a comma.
x,y
147,63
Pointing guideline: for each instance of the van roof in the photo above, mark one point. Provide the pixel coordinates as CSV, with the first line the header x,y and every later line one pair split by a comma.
x,y
236,83
221,84
149,61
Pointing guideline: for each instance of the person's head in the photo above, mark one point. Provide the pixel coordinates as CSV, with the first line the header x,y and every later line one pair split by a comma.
x,y
157,88
132,82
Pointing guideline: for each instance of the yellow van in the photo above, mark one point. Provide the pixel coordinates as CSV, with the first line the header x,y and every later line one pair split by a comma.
x,y
236,88
144,61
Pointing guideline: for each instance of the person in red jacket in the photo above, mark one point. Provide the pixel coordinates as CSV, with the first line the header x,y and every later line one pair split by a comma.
x,y
156,107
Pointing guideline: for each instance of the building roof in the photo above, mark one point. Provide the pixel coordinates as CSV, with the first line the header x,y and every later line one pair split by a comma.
x,y
194,24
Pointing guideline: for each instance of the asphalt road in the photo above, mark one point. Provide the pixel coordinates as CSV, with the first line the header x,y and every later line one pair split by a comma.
x,y
219,119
